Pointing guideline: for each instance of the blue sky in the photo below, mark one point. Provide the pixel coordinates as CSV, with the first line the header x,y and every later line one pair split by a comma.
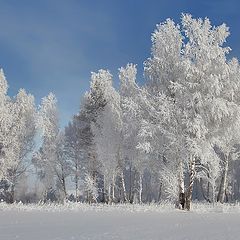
x,y
53,45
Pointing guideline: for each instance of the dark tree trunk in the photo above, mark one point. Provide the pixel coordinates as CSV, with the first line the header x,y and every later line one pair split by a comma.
x,y
203,193
12,194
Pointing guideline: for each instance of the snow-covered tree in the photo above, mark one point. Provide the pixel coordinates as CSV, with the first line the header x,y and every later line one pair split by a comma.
x,y
75,149
48,122
209,89
107,132
161,129
91,188
92,105
50,161
5,125
22,136
194,75
130,102
17,132
62,165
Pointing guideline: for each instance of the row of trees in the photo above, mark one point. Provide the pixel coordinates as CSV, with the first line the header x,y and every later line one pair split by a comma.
x,y
175,137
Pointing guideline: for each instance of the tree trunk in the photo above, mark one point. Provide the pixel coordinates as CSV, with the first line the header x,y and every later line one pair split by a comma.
x,y
64,187
213,193
63,183
12,194
113,187
224,181
76,182
181,199
226,194
104,191
123,187
223,185
133,186
220,189
140,188
160,192
208,189
203,193
130,183
76,190
191,182
13,178
109,195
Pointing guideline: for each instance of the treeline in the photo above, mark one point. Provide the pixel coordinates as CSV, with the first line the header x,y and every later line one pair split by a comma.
x,y
175,137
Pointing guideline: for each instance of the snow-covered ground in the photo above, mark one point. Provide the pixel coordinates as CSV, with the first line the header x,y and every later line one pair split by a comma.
x,y
72,222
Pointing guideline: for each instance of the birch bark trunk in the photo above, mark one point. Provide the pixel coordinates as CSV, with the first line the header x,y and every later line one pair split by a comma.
x,y
113,188
123,187
224,185
140,188
181,199
191,182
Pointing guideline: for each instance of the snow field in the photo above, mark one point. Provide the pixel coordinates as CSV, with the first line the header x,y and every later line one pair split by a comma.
x,y
82,222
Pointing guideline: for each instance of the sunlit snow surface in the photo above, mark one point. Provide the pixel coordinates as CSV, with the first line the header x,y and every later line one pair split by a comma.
x,y
80,221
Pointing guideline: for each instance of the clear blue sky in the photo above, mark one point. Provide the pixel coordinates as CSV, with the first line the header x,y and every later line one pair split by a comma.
x,y
53,45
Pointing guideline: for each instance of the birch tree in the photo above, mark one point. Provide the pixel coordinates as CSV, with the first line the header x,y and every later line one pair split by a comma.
x,y
50,161
107,132
194,74
92,105
130,102
22,137
5,125
74,144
